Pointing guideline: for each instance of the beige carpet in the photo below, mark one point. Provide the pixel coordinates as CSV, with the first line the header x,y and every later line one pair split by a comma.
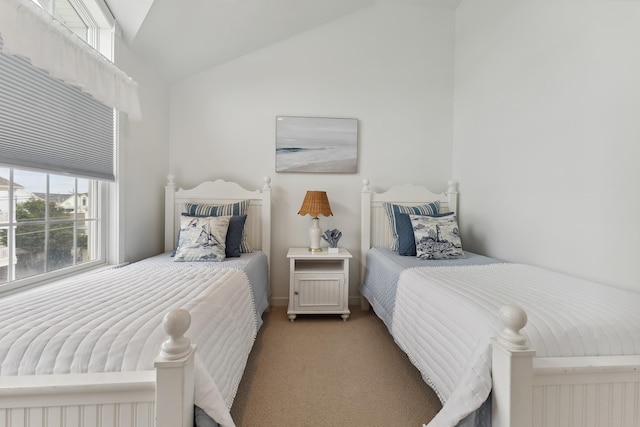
x,y
321,371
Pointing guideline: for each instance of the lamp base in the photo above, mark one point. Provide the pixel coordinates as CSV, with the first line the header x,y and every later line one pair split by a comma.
x,y
314,235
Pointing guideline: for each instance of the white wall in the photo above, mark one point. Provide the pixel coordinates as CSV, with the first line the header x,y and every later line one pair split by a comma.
x,y
144,161
547,134
390,66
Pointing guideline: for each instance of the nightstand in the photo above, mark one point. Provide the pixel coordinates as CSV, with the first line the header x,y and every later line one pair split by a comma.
x,y
318,282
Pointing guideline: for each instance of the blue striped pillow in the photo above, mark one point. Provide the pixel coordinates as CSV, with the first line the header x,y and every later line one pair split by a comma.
x,y
393,209
232,209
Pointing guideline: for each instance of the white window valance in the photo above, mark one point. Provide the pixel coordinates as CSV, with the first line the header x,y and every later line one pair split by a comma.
x,y
31,32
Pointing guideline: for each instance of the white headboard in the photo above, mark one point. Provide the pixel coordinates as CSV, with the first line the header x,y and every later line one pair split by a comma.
x,y
375,231
257,227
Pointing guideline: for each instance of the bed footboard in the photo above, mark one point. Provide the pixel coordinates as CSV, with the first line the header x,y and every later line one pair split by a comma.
x,y
160,398
530,391
110,399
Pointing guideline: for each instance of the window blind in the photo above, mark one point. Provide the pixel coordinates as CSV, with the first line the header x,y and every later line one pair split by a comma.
x,y
48,125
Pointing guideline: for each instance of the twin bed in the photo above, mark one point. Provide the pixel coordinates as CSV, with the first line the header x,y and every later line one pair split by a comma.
x,y
502,344
108,349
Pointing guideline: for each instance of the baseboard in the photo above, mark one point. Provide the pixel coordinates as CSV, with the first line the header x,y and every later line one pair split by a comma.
x,y
354,300
284,301
279,301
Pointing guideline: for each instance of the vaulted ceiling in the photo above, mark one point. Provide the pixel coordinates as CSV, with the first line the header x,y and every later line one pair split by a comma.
x,y
183,37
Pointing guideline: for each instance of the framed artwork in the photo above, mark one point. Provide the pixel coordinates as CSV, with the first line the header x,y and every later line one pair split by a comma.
x,y
316,144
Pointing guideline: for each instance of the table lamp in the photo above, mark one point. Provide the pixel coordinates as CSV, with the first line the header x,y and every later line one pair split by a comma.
x,y
315,203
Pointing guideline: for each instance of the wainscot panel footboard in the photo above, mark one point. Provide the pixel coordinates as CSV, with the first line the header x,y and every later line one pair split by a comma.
x,y
531,391
163,397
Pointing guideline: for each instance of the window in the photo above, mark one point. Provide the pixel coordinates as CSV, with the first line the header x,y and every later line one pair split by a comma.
x,y
48,223
88,19
53,193
66,14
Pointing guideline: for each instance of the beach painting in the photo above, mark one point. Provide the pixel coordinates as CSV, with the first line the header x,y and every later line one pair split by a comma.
x,y
316,144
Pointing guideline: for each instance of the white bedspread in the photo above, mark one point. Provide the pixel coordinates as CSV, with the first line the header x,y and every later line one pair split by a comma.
x,y
112,321
445,316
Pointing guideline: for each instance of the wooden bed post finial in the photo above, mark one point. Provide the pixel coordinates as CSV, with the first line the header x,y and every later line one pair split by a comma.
x,y
513,319
365,186
267,183
175,324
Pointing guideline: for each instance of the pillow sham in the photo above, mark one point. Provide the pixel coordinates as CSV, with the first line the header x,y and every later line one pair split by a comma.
x,y
202,238
391,208
234,235
406,238
436,237
232,209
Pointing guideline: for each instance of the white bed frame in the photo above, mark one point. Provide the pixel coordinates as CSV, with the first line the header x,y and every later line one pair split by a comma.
x,y
163,397
527,391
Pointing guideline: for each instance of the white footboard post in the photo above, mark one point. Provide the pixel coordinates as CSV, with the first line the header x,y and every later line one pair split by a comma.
x,y
175,373
512,372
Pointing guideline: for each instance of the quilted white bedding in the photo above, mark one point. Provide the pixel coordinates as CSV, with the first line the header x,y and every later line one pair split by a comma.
x,y
111,321
445,316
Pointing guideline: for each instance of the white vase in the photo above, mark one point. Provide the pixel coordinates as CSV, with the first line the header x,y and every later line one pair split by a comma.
x,y
314,235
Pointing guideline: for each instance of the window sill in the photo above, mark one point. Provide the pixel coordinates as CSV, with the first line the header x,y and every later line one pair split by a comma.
x,y
56,278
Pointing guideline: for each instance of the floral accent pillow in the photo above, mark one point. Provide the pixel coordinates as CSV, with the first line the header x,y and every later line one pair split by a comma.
x,y
436,237
202,238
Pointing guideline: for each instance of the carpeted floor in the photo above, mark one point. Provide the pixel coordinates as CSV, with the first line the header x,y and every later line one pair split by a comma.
x,y
321,371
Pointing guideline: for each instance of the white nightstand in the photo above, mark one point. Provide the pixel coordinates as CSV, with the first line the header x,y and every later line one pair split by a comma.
x,y
318,282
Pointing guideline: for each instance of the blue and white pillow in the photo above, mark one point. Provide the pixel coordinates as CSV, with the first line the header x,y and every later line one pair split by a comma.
x,y
232,209
234,236
437,237
202,238
406,238
391,209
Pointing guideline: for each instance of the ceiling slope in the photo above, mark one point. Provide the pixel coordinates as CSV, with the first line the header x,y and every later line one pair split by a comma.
x,y
180,38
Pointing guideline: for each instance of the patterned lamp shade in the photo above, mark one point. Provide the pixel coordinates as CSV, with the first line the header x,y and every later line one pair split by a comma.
x,y
315,203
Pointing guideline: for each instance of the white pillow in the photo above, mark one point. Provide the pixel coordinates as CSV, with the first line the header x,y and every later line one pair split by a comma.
x,y
202,238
